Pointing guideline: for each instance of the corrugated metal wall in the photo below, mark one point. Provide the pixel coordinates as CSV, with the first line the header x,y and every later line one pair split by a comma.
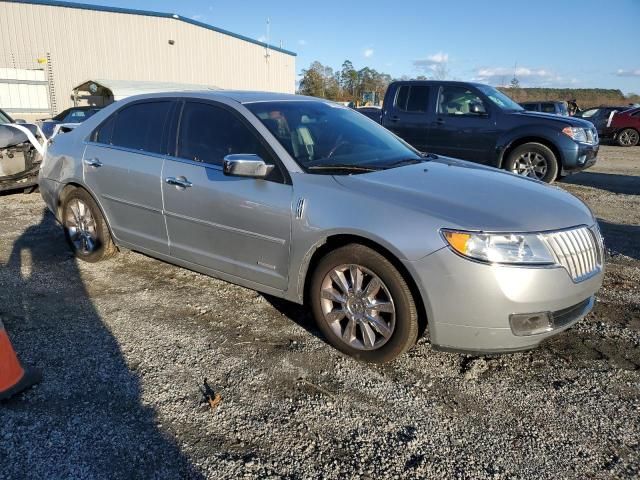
x,y
87,44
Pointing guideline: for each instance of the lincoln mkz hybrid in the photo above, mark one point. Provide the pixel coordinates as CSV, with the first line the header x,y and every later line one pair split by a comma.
x,y
307,200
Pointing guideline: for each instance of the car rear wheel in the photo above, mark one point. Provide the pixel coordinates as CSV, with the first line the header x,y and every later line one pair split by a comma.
x,y
533,160
85,228
363,305
628,137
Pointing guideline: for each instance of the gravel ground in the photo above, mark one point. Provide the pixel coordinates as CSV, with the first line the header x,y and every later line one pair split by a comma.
x,y
126,346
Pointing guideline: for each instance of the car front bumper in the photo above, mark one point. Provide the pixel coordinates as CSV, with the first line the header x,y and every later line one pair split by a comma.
x,y
24,180
468,304
579,158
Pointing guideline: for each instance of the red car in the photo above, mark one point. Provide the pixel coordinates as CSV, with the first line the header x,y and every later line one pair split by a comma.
x,y
624,127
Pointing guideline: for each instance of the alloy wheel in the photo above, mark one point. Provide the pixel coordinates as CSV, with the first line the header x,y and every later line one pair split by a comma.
x,y
628,137
81,226
358,307
531,164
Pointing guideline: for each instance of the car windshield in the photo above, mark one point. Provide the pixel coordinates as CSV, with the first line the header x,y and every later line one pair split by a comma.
x,y
499,98
324,137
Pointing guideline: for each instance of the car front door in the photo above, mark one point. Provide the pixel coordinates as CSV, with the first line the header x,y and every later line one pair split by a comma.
x,y
122,166
464,126
238,226
409,115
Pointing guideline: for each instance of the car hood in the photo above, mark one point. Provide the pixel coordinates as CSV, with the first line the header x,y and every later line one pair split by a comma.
x,y
469,196
559,119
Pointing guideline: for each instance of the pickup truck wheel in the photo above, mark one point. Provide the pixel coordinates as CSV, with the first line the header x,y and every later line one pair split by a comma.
x,y
363,305
628,137
85,228
533,160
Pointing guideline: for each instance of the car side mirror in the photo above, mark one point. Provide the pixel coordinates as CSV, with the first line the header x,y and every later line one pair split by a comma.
x,y
246,165
477,109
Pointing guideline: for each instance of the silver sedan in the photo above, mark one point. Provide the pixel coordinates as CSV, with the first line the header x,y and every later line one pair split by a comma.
x,y
310,201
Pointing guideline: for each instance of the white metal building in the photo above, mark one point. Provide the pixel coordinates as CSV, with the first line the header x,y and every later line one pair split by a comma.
x,y
71,43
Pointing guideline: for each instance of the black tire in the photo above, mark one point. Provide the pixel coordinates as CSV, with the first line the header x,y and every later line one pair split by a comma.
x,y
629,137
103,246
405,332
534,150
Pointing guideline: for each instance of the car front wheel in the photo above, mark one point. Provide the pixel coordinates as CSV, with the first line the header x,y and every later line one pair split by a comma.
x,y
533,160
363,305
628,137
85,228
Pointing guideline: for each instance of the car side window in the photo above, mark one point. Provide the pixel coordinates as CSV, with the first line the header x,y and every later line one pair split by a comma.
x,y
209,133
455,100
140,126
412,98
401,97
104,132
548,108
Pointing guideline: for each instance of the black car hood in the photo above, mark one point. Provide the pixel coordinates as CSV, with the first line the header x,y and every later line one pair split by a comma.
x,y
558,119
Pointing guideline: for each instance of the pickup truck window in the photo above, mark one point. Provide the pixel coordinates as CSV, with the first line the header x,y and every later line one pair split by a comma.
x,y
412,98
458,101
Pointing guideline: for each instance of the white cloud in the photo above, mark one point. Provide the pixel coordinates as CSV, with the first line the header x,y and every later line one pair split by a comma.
x,y
432,61
628,73
368,52
528,77
302,43
262,38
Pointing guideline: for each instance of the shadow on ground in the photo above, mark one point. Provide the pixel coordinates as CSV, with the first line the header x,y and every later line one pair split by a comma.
x,y
621,238
614,183
86,419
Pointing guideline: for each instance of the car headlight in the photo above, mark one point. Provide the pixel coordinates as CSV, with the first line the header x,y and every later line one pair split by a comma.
x,y
510,248
577,133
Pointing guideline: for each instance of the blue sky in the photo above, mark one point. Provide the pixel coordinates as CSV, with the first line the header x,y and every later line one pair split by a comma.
x,y
568,43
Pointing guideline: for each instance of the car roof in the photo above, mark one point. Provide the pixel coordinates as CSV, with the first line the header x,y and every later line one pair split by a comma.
x,y
531,102
240,96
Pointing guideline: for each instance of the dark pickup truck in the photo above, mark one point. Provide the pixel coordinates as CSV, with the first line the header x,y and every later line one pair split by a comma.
x,y
476,122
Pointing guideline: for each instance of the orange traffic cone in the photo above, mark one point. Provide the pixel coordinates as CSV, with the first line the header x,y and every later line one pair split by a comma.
x,y
13,378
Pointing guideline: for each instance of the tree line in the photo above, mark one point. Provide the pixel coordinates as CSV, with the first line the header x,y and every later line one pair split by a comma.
x,y
345,85
350,85
585,97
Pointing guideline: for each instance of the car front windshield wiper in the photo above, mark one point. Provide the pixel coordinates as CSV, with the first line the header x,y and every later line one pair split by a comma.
x,y
344,166
424,157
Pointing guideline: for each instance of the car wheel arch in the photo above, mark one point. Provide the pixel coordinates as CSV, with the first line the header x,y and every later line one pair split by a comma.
x,y
515,143
335,241
70,187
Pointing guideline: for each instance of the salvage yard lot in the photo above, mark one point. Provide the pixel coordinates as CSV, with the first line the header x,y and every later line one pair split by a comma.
x,y
125,347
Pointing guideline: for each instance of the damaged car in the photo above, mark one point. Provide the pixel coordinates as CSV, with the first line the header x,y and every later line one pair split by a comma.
x,y
19,157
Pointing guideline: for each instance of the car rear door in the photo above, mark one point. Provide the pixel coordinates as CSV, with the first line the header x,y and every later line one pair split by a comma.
x,y
238,226
457,131
409,115
122,166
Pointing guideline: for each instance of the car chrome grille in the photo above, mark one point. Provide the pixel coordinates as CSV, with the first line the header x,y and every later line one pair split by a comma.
x,y
579,251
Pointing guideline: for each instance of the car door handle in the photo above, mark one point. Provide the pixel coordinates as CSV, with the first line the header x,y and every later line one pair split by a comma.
x,y
439,121
395,118
92,162
178,182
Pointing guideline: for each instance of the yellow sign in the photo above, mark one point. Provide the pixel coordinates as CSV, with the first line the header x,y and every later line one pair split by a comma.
x,y
41,60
